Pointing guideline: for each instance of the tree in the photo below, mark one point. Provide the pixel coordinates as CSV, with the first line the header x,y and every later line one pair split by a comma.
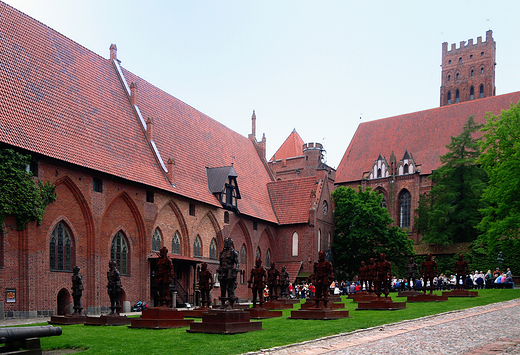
x,y
501,160
455,198
20,195
363,231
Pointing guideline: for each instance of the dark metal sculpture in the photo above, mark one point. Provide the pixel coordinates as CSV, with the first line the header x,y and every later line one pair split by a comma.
x,y
321,279
371,274
164,277
257,282
227,274
273,282
461,271
284,282
429,271
205,285
77,290
412,271
384,274
114,288
363,276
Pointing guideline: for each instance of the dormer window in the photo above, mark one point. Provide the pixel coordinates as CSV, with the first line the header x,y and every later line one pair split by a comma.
x,y
222,183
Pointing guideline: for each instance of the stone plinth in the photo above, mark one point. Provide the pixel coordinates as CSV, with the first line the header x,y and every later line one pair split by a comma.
x,y
426,297
195,313
289,300
160,318
409,293
365,297
223,321
318,313
69,319
108,320
311,304
383,304
277,305
261,313
356,294
460,293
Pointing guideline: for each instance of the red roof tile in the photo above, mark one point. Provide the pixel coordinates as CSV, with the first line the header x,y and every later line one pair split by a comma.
x,y
424,134
292,147
63,101
292,267
291,199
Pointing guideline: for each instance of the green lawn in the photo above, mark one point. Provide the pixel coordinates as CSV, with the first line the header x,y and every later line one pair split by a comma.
x,y
277,331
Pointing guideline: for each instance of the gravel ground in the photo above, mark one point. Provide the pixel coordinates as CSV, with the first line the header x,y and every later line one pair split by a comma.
x,y
491,329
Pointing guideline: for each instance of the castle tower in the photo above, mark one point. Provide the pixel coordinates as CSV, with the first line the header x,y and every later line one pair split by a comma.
x,y
468,72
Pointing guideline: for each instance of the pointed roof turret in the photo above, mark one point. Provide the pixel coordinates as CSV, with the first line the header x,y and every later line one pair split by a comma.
x,y
292,147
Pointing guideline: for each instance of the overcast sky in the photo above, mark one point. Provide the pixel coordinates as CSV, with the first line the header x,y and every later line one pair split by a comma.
x,y
321,67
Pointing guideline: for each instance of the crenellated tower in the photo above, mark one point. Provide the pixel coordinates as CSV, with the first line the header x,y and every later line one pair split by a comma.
x,y
468,72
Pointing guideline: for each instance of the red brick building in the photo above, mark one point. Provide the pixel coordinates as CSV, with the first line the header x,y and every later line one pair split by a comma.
x,y
136,169
396,155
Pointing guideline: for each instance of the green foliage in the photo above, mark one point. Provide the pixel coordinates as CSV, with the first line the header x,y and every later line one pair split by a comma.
x,y
455,198
363,231
276,331
20,195
501,160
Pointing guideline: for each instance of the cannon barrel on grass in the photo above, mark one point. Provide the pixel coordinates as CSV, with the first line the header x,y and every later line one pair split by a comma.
x,y
27,338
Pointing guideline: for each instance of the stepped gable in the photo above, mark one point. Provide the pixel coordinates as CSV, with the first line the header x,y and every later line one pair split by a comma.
x,y
291,147
292,199
424,134
65,102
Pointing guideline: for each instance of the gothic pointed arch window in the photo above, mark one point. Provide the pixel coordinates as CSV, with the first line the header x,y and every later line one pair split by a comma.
x,y
457,96
213,249
472,93
481,89
156,240
319,240
243,255
405,200
176,244
295,244
449,97
60,249
379,172
119,252
268,258
197,247
258,254
406,169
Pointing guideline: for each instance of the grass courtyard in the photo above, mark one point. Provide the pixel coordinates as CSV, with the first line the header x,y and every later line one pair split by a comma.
x,y
276,331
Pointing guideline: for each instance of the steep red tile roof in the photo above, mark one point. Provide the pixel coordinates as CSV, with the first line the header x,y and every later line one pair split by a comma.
x,y
424,134
292,147
292,267
63,101
292,199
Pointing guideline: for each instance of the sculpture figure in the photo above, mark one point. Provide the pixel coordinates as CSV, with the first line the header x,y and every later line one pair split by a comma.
x,y
371,274
114,288
205,285
164,277
429,271
321,279
412,270
77,290
384,274
363,276
257,282
461,270
273,282
284,282
227,274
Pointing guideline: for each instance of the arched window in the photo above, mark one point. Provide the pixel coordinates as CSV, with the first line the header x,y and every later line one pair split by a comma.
x,y
379,172
60,249
258,254
482,70
472,72
213,249
457,76
176,244
295,244
405,169
481,90
197,247
472,93
226,217
119,252
383,202
457,96
449,97
449,77
268,258
405,200
156,240
243,255
319,240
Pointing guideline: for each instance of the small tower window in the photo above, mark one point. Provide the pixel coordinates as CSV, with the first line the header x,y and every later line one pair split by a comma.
x,y
457,76
405,169
482,70
449,77
472,93
449,61
472,72
481,90
471,56
449,97
481,54
460,60
457,96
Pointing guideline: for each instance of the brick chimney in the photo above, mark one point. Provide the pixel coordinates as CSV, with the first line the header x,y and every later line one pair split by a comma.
x,y
170,164
261,146
113,52
149,129
133,93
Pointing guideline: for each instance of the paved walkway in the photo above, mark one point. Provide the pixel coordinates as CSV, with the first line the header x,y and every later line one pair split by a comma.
x,y
491,329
